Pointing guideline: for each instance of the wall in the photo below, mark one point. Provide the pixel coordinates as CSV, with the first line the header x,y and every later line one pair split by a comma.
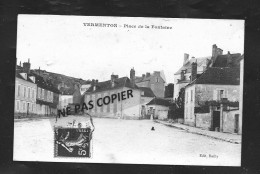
x,y
206,92
157,85
129,108
144,101
77,96
161,112
44,95
65,100
203,120
229,121
178,87
202,93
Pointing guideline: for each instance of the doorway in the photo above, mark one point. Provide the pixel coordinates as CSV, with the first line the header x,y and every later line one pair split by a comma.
x,y
216,119
28,107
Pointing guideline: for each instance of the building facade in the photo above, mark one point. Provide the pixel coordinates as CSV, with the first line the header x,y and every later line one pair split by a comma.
x,y
215,85
153,81
159,108
115,98
25,94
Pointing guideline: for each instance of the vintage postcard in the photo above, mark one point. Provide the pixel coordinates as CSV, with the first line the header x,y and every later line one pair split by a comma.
x,y
129,90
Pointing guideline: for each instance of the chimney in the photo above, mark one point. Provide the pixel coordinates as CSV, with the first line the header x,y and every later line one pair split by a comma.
x,y
186,58
20,64
148,74
143,75
27,66
93,82
113,77
193,71
216,51
229,59
132,76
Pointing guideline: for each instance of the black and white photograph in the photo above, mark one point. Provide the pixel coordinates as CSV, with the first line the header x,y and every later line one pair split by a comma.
x,y
129,90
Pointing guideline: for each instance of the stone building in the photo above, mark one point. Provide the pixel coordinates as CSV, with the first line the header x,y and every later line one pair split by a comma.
x,y
215,85
45,95
25,94
116,98
154,81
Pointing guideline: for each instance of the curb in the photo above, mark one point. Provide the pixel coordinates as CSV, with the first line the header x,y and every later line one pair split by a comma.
x,y
198,133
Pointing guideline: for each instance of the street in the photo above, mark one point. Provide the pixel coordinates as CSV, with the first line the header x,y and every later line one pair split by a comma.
x,y
126,141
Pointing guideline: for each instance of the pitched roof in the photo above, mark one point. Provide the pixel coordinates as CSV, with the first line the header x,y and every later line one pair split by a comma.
x,y
220,76
159,101
187,66
147,92
39,80
139,79
67,91
18,75
226,60
142,79
107,85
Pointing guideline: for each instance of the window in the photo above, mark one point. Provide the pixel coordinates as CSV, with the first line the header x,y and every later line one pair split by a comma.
x,y
187,97
33,93
157,79
39,92
17,105
24,92
42,93
29,92
23,106
19,88
191,95
191,113
221,94
32,107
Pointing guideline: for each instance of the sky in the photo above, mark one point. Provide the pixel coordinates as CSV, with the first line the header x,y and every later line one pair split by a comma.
x,y
62,44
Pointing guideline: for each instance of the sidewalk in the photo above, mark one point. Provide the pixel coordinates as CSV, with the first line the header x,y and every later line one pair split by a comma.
x,y
231,138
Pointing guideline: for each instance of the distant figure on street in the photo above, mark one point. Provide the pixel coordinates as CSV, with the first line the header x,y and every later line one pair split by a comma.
x,y
152,129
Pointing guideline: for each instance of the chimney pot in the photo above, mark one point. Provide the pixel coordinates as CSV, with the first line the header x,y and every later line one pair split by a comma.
x,y
186,58
132,76
193,71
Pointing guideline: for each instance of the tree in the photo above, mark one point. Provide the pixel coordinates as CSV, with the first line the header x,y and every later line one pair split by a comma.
x,y
180,104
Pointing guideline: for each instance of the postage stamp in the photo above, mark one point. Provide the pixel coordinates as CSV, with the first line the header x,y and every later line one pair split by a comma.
x,y
72,142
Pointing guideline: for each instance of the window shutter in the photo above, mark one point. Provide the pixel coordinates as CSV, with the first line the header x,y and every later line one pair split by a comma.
x,y
226,93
